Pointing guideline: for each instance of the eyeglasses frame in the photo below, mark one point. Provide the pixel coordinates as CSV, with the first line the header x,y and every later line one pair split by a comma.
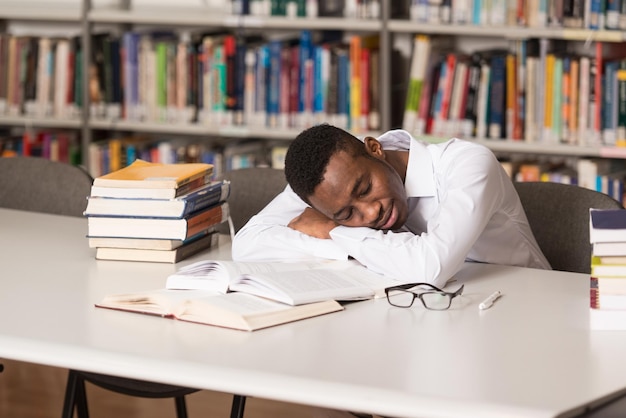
x,y
405,288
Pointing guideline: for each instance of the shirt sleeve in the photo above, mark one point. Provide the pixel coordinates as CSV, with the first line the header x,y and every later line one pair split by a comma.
x,y
266,236
469,188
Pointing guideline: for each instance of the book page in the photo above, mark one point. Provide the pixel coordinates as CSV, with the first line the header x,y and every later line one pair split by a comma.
x,y
216,275
247,312
307,286
162,302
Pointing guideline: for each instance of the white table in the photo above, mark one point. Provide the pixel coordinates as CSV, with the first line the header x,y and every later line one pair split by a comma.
x,y
531,355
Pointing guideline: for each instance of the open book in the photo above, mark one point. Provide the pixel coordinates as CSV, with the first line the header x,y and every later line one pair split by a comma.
x,y
291,283
232,310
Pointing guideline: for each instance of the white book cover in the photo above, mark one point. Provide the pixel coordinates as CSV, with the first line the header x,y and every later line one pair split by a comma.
x,y
61,78
481,108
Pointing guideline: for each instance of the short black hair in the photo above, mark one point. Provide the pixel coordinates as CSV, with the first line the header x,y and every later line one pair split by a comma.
x,y
308,156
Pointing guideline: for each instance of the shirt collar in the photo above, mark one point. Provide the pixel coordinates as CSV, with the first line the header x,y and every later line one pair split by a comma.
x,y
420,179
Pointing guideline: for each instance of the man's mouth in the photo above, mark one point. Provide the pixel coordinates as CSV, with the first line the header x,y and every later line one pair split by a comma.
x,y
390,218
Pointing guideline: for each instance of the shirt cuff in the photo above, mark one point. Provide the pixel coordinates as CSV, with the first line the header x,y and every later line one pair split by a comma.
x,y
351,233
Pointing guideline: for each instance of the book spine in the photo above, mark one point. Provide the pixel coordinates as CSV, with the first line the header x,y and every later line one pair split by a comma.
x,y
239,82
230,78
355,82
511,97
566,99
285,87
621,121
469,120
273,91
497,97
557,96
205,198
294,85
206,219
303,85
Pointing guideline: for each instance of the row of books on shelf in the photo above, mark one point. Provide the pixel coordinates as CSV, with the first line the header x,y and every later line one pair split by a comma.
x,y
536,91
40,76
593,14
217,79
355,9
112,154
607,303
156,212
55,145
605,176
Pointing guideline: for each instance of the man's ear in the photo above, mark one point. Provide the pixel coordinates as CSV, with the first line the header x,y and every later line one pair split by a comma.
x,y
373,147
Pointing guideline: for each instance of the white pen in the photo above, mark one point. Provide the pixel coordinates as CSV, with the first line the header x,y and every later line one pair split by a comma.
x,y
485,304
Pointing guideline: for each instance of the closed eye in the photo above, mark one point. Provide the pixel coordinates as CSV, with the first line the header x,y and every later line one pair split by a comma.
x,y
345,215
365,191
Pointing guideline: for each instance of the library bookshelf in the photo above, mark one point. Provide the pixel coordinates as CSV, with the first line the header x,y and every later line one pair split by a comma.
x,y
393,26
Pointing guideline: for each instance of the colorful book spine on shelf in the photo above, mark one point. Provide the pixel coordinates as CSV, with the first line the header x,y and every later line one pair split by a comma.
x,y
304,65
273,90
343,88
355,82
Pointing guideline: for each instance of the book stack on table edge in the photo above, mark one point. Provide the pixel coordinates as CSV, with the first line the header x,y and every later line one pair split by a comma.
x,y
156,212
607,232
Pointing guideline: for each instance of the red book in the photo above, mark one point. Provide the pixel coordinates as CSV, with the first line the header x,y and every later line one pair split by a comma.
x,y
365,88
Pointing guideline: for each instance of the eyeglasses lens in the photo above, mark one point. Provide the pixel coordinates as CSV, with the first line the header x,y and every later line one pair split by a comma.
x,y
401,299
436,300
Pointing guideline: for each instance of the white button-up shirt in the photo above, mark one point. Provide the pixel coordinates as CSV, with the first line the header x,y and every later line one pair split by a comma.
x,y
462,206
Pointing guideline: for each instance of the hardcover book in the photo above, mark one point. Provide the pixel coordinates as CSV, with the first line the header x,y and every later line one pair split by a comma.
x,y
158,228
144,243
201,198
608,249
607,225
148,175
239,311
159,256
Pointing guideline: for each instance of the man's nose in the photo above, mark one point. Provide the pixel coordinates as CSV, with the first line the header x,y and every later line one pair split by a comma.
x,y
371,212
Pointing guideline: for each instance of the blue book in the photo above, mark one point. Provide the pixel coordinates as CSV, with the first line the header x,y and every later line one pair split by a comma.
x,y
343,87
305,55
497,96
195,201
596,18
130,41
318,82
273,89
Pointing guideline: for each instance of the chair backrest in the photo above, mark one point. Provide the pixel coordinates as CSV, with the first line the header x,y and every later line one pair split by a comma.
x,y
558,215
251,189
40,185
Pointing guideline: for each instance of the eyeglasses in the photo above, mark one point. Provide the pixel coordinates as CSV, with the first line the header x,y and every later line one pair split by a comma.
x,y
432,297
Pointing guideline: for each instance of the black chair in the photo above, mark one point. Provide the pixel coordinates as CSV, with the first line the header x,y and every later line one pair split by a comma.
x,y
558,215
40,185
251,190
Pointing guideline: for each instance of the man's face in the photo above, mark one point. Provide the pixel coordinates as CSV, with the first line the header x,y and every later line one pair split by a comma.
x,y
361,191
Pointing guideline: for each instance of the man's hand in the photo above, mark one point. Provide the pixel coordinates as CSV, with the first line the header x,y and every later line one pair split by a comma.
x,y
313,223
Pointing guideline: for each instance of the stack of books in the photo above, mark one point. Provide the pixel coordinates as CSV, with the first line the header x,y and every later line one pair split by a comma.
x,y
607,232
156,212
